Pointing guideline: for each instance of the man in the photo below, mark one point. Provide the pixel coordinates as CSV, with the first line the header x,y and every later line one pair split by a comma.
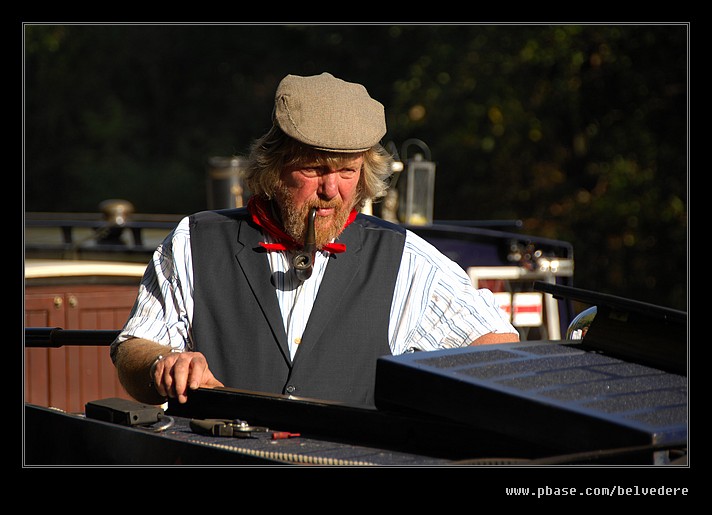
x,y
222,304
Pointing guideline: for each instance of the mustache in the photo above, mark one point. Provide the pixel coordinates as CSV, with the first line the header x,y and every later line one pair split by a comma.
x,y
320,204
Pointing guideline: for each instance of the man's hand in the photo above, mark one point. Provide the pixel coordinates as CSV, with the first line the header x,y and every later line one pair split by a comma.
x,y
173,375
178,372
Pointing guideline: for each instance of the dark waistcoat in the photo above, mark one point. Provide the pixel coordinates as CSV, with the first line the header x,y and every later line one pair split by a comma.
x,y
237,322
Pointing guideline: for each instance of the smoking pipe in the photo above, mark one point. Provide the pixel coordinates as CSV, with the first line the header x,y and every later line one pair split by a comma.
x,y
303,262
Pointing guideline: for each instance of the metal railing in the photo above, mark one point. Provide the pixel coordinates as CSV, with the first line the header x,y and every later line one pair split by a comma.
x,y
56,337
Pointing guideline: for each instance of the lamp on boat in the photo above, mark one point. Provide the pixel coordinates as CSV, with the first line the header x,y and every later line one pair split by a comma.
x,y
416,190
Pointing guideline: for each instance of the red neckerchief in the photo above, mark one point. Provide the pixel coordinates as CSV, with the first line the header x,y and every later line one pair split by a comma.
x,y
261,215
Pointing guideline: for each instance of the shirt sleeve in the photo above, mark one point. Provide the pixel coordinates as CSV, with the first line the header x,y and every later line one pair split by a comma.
x,y
435,305
164,306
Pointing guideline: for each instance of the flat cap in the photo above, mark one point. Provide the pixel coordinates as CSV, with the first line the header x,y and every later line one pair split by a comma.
x,y
328,113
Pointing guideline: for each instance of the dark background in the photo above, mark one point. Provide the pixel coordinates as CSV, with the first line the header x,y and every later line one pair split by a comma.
x,y
580,131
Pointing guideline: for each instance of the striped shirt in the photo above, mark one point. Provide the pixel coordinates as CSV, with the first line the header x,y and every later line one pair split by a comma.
x,y
434,304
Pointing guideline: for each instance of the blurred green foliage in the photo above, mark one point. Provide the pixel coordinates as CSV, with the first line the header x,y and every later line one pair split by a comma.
x,y
581,131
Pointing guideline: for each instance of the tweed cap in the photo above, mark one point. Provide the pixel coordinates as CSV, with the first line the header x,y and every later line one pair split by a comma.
x,y
328,113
